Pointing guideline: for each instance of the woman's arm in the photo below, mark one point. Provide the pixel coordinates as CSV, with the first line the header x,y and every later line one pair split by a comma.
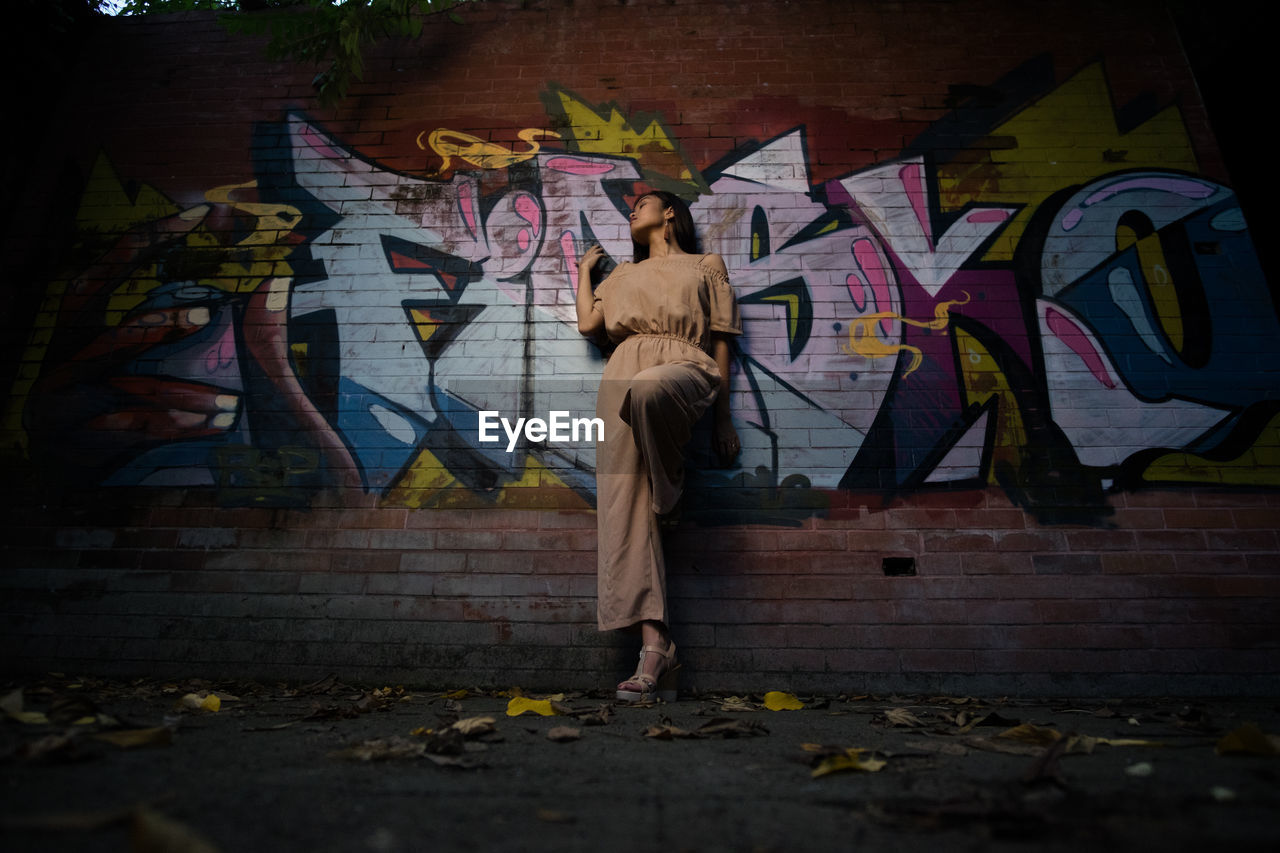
x,y
590,321
725,437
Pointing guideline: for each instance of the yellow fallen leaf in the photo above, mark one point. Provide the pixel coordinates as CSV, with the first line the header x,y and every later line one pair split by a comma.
x,y
1247,739
31,718
211,703
776,700
85,721
523,705
852,759
456,694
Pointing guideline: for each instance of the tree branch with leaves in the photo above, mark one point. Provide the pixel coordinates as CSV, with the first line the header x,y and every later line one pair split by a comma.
x,y
332,32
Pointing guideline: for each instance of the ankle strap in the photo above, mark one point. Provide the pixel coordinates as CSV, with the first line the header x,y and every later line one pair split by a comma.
x,y
666,653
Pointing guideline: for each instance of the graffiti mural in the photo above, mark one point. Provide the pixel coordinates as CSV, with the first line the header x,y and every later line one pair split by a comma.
x,y
1057,328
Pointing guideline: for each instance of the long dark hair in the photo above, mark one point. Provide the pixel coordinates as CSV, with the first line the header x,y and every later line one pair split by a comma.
x,y
681,224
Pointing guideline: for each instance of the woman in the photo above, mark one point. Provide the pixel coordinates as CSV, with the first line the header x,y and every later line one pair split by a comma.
x,y
670,312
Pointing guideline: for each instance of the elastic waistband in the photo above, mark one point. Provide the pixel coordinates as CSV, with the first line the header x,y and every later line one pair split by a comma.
x,y
662,335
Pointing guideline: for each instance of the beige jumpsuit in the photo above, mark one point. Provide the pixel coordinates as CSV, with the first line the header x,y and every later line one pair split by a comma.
x,y
656,385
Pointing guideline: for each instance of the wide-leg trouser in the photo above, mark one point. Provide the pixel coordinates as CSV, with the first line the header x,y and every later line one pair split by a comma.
x,y
640,474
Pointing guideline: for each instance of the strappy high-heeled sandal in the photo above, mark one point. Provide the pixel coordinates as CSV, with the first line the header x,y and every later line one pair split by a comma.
x,y
663,687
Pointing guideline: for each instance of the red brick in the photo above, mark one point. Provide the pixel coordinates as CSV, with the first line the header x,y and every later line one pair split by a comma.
x,y
1259,518
1198,518
1241,540
1100,540
915,519
1046,541
966,542
1138,563
1169,540
889,543
938,660
996,563
990,519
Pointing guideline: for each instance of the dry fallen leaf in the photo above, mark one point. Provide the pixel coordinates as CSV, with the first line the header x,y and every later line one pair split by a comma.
x,y
563,734
849,759
940,746
1045,768
991,719
380,749
901,717
1008,747
726,728
452,760
135,738
1248,739
474,726
1028,733
1039,736
554,816
57,747
776,700
155,833
667,732
11,704
592,716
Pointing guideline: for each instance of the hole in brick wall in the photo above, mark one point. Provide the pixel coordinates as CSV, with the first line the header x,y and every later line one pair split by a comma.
x,y
896,567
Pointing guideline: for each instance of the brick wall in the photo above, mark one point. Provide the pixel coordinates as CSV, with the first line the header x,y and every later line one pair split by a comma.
x,y
1007,389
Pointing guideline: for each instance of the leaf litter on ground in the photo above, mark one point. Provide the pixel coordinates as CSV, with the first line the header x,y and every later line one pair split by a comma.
x,y
1248,739
826,760
717,727
447,747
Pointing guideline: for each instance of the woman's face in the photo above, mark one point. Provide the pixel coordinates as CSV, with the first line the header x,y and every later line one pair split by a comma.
x,y
647,214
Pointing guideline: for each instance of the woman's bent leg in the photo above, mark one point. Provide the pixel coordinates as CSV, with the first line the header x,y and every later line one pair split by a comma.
x,y
662,405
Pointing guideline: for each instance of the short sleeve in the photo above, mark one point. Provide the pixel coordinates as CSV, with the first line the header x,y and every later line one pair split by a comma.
x,y
596,298
724,317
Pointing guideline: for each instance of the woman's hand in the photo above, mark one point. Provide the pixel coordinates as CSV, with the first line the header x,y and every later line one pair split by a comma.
x,y
725,441
590,320
590,258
